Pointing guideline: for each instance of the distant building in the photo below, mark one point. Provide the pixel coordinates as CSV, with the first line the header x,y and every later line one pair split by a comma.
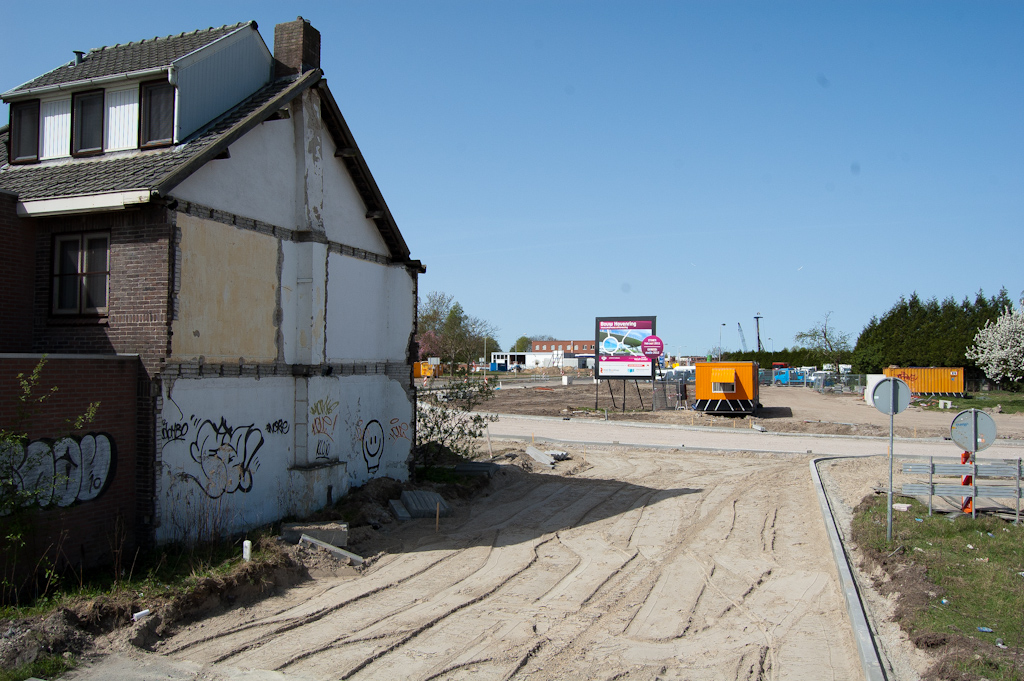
x,y
567,347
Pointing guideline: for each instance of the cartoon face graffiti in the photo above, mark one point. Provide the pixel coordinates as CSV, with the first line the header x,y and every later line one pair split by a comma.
x,y
373,445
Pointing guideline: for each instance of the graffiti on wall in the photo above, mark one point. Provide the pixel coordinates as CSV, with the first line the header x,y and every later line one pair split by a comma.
x,y
322,421
370,438
399,430
63,471
227,456
279,426
373,445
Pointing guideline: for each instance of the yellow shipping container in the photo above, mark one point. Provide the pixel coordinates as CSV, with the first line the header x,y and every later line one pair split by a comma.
x,y
930,380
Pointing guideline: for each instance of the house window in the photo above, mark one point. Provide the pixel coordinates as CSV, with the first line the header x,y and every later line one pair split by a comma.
x,y
723,387
81,273
87,123
156,126
24,132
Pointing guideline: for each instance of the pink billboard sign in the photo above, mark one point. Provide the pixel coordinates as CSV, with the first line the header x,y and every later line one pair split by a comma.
x,y
619,343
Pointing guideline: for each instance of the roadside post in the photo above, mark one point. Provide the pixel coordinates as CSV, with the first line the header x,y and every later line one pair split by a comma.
x,y
652,347
890,396
974,431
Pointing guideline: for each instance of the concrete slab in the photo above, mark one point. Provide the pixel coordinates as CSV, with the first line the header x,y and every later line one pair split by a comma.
x,y
476,468
399,510
335,534
336,551
423,504
540,457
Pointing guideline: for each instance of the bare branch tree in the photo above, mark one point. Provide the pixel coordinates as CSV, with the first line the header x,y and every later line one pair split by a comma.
x,y
831,343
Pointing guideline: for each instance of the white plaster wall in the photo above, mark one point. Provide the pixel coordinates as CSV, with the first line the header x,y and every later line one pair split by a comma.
x,y
226,450
303,301
344,211
370,311
289,299
363,421
265,179
255,182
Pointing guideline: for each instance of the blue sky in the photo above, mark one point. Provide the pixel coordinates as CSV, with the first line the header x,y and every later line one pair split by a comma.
x,y
555,161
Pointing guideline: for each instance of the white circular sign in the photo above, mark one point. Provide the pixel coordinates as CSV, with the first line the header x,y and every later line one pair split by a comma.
x,y
884,393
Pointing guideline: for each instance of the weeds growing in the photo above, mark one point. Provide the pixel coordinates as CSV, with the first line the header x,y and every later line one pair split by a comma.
x,y
960,582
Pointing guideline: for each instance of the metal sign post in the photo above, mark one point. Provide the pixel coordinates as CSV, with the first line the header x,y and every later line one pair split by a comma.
x,y
890,396
974,431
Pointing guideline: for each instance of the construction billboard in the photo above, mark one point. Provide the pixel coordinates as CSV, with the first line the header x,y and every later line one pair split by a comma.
x,y
619,351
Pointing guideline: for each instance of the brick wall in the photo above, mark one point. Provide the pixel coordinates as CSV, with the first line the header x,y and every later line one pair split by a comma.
x,y
138,321
296,48
568,346
103,516
17,253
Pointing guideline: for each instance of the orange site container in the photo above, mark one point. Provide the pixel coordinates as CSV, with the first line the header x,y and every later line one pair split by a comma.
x,y
726,387
421,369
930,380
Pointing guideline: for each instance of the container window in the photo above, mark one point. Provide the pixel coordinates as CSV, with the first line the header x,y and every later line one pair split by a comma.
x,y
723,387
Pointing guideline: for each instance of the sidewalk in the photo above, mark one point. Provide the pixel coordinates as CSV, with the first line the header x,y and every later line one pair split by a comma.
x,y
595,431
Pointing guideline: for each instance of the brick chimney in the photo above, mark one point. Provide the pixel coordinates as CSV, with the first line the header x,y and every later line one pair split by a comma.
x,y
296,48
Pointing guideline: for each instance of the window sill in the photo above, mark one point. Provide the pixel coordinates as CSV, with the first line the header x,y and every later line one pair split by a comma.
x,y
78,320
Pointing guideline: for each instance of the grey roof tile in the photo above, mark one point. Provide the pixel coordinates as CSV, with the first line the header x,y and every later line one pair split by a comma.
x,y
138,56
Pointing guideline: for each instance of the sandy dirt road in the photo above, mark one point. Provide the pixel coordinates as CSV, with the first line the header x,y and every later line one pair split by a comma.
x,y
640,564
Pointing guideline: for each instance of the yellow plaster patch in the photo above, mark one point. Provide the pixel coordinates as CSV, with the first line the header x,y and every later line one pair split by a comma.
x,y
228,293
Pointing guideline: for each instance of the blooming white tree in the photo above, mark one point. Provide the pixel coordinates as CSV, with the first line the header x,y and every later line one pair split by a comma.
x,y
999,346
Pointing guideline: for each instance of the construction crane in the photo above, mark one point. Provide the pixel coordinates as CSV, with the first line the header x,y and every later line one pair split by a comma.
x,y
757,324
742,338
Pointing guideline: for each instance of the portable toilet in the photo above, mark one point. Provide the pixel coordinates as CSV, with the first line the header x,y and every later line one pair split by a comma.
x,y
727,387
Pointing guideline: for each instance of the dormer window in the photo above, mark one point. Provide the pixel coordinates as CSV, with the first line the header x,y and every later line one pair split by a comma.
x,y
136,116
157,124
24,132
87,123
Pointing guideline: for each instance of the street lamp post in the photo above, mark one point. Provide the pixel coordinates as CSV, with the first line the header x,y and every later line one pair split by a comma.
x,y
720,341
773,347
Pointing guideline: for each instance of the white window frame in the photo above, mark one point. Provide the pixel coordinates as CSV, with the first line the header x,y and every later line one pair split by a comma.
x,y
723,388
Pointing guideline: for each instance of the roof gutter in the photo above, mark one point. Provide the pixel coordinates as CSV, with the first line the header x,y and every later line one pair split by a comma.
x,y
163,71
91,203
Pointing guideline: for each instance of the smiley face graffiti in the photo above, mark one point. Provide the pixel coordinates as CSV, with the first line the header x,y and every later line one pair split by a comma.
x,y
373,445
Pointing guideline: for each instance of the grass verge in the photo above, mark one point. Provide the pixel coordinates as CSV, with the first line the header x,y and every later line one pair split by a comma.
x,y
1008,402
959,585
44,667
45,636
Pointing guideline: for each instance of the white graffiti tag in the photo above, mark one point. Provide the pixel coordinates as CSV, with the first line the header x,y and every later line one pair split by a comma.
x,y
64,471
